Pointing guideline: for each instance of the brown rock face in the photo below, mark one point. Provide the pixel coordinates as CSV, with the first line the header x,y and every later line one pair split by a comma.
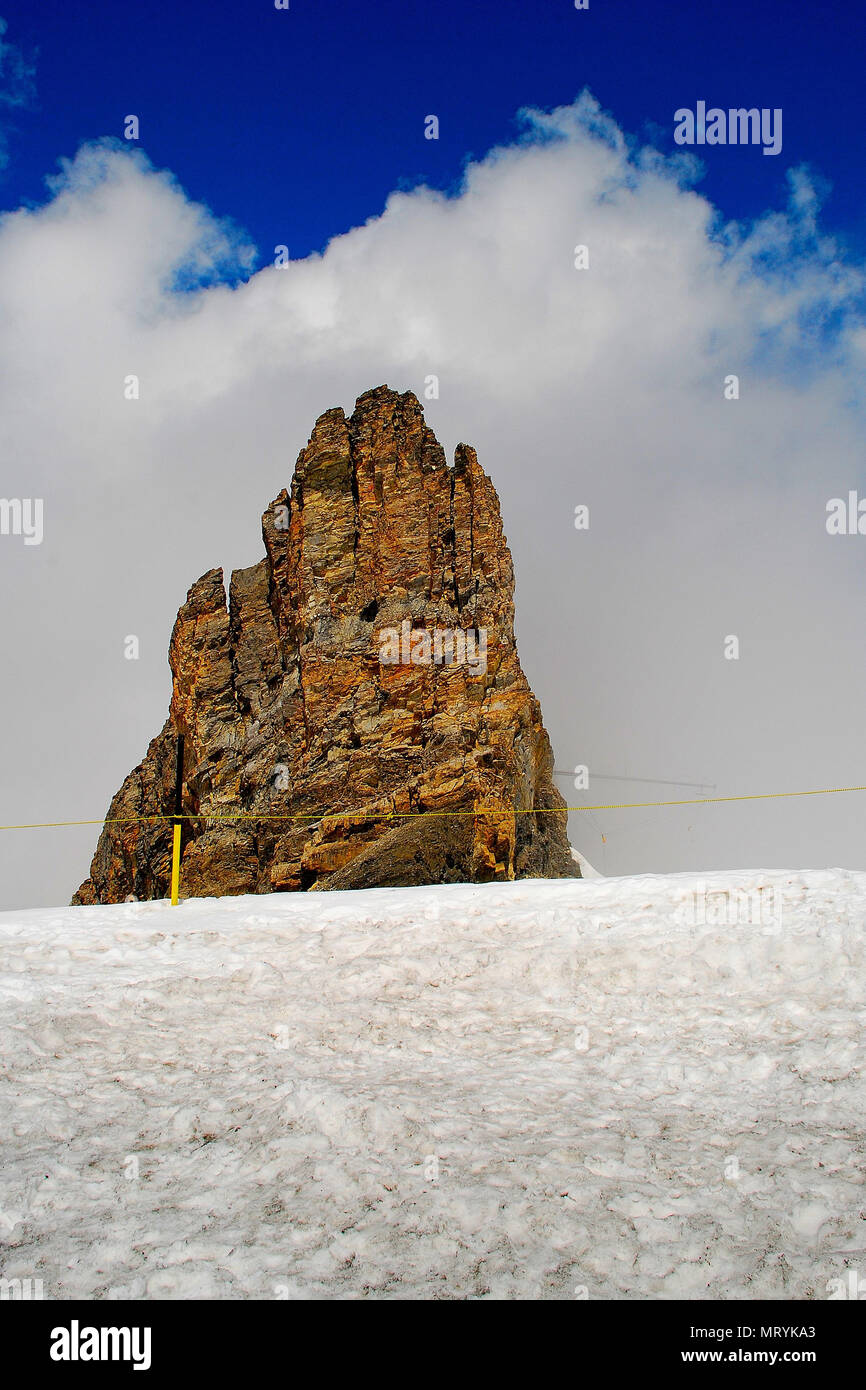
x,y
363,673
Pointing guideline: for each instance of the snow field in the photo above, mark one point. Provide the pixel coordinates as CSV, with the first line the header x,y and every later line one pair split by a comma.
x,y
647,1087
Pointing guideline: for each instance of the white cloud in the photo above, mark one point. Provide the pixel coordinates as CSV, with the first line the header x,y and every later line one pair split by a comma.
x,y
601,386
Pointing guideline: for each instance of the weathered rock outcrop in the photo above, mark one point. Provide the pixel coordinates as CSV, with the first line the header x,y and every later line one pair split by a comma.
x,y
319,741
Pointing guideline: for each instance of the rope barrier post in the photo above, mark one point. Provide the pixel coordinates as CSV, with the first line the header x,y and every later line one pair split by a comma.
x,y
178,807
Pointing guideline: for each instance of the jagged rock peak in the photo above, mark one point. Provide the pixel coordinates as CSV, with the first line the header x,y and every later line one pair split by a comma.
x,y
354,712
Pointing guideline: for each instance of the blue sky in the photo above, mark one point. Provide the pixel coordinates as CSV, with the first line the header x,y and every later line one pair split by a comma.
x,y
299,123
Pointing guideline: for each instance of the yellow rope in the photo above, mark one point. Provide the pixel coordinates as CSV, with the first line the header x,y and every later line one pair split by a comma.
x,y
404,815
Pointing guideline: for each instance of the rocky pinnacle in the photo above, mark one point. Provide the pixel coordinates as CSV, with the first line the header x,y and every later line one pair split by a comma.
x,y
354,712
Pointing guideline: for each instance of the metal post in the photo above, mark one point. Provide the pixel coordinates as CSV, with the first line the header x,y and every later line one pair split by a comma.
x,y
178,809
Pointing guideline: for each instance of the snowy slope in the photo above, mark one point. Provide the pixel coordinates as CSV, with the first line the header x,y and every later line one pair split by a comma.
x,y
540,1089
584,865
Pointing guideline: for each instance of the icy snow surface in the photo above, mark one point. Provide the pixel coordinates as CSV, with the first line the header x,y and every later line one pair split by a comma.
x,y
619,1088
